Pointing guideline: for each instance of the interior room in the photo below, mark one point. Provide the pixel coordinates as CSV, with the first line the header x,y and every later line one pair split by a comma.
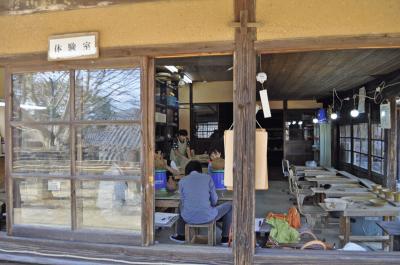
x,y
326,150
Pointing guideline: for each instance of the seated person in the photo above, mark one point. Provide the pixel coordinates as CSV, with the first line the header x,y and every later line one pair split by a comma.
x,y
198,203
180,151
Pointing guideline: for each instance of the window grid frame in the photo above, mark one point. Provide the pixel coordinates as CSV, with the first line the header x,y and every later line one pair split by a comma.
x,y
72,123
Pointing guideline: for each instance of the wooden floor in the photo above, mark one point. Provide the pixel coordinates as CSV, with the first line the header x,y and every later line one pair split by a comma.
x,y
34,251
37,251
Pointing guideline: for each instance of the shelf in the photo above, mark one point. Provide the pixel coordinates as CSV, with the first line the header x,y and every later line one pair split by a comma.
x,y
171,124
172,107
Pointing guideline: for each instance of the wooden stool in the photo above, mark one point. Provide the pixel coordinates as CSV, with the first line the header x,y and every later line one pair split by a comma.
x,y
211,232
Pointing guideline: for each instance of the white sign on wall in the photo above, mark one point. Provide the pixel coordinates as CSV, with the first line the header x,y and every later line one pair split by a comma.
x,y
73,46
53,185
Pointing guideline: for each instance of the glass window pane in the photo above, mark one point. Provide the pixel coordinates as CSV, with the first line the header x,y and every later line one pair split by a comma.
x,y
345,156
348,157
377,165
41,149
108,150
363,127
356,145
114,205
377,132
356,160
348,144
364,161
356,131
348,130
41,96
364,146
42,202
343,143
108,94
377,148
342,131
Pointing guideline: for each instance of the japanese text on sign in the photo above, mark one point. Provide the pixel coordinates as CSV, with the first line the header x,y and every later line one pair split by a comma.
x,y
73,47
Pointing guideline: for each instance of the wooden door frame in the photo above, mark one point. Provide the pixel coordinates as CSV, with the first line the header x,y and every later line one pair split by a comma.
x,y
146,120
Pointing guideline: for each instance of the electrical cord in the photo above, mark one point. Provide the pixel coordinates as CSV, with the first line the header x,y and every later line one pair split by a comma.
x,y
378,97
89,258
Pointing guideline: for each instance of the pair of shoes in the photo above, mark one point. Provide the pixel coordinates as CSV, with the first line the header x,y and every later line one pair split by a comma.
x,y
225,241
177,238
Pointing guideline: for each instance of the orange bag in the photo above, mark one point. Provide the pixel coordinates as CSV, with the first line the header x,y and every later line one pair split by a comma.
x,y
277,215
293,218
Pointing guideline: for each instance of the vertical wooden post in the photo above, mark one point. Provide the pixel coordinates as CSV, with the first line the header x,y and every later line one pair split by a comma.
x,y
285,102
244,133
392,147
72,130
369,140
192,125
8,151
147,99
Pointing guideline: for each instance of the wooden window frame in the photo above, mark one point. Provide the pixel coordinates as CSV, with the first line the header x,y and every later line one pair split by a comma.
x,y
97,235
383,142
360,153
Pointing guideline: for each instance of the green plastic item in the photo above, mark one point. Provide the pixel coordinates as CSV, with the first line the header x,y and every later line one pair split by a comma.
x,y
282,232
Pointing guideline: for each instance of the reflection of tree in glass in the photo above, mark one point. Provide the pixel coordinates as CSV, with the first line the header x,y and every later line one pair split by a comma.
x,y
111,94
43,96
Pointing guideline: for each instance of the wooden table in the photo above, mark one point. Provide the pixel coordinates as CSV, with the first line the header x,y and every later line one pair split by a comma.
x,y
392,229
341,192
316,172
164,199
331,180
363,209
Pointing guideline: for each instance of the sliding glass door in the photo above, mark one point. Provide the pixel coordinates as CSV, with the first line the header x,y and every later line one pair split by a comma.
x,y
75,151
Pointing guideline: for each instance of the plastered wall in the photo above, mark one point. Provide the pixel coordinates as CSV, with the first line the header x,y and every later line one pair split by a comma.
x,y
153,22
313,18
186,21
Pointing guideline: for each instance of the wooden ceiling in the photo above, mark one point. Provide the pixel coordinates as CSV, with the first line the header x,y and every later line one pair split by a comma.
x,y
309,75
305,75
206,68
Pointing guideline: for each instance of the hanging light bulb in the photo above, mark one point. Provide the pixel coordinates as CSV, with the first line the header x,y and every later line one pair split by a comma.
x,y
334,115
300,123
315,120
354,113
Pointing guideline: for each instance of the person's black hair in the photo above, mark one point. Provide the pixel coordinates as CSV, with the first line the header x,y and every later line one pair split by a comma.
x,y
193,165
183,132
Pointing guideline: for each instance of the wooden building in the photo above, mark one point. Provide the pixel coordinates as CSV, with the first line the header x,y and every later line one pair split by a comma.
x,y
132,36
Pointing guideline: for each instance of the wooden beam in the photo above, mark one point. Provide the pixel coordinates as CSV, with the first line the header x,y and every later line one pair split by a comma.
x,y
23,7
244,134
370,41
159,51
391,175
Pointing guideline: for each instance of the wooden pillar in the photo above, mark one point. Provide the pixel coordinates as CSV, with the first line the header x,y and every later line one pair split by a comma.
x,y
148,135
285,110
391,175
244,133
